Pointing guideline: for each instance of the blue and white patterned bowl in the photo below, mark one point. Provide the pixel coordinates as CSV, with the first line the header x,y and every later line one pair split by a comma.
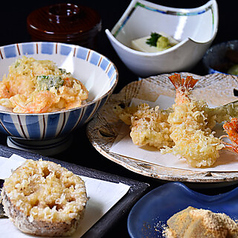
x,y
95,71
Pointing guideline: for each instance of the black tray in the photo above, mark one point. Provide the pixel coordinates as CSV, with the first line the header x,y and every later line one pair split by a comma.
x,y
117,212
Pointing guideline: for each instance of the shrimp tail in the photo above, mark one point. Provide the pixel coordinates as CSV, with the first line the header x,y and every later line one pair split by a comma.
x,y
183,87
231,128
181,83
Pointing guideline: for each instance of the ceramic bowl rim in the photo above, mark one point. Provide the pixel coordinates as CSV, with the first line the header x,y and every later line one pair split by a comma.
x,y
72,109
224,45
182,10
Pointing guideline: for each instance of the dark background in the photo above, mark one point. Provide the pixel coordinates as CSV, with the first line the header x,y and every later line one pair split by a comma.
x,y
13,28
13,23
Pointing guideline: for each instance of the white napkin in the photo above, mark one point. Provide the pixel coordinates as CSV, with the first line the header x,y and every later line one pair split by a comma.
x,y
123,145
103,195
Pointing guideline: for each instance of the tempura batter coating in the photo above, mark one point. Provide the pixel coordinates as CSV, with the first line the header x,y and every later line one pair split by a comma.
x,y
150,127
42,198
185,129
193,139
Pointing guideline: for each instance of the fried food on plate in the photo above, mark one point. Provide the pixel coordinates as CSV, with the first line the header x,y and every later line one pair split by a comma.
x,y
42,198
185,129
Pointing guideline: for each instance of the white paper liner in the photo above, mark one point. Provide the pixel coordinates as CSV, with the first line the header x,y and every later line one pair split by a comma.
x,y
123,145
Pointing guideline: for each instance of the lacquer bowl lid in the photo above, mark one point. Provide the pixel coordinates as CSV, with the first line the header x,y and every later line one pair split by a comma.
x,y
65,22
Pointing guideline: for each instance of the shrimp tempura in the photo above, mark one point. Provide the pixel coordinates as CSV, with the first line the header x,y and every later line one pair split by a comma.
x,y
185,129
193,139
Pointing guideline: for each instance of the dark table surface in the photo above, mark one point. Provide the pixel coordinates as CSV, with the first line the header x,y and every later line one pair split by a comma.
x,y
13,30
